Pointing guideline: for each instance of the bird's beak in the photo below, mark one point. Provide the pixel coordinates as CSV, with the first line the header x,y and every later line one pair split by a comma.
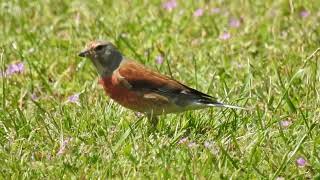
x,y
83,53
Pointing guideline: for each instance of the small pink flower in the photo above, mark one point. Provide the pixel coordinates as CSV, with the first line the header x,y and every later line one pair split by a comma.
x,y
285,123
63,146
208,144
183,140
13,69
159,59
225,36
215,10
192,145
74,99
301,162
34,97
199,12
170,5
304,13
235,23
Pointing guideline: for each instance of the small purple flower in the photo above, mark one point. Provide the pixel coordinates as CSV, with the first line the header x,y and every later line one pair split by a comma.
x,y
304,13
192,145
74,99
285,123
183,140
211,147
235,23
301,162
170,5
63,146
208,144
225,36
159,59
199,12
14,68
215,10
34,97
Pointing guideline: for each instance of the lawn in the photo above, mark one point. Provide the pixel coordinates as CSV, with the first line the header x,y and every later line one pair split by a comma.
x,y
56,121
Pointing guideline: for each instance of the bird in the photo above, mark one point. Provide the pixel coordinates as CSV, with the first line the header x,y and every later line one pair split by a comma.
x,y
141,89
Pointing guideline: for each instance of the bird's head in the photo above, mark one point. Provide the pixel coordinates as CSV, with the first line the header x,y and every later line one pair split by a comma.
x,y
104,55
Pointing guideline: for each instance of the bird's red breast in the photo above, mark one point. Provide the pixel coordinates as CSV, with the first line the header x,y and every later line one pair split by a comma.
x,y
135,100
120,94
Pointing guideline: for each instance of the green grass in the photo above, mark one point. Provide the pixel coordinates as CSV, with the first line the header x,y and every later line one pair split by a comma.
x,y
269,64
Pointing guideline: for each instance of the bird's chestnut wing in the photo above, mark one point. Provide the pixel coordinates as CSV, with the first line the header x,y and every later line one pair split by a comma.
x,y
138,78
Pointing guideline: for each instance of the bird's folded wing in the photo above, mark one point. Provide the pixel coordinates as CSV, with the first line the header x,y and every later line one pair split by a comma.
x,y
138,78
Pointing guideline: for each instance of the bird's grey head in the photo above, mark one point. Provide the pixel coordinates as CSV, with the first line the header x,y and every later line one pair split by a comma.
x,y
104,55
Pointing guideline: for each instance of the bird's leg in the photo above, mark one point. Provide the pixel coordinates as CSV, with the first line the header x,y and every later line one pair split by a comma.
x,y
153,120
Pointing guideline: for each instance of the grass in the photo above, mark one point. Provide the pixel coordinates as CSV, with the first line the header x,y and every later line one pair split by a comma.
x,y
269,64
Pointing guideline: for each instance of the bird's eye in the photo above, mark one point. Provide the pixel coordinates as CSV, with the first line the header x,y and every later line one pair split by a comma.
x,y
98,48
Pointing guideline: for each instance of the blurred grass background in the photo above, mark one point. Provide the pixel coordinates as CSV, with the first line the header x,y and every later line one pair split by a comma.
x,y
258,54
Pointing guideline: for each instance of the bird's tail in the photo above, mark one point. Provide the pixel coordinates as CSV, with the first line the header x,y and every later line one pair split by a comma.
x,y
213,103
